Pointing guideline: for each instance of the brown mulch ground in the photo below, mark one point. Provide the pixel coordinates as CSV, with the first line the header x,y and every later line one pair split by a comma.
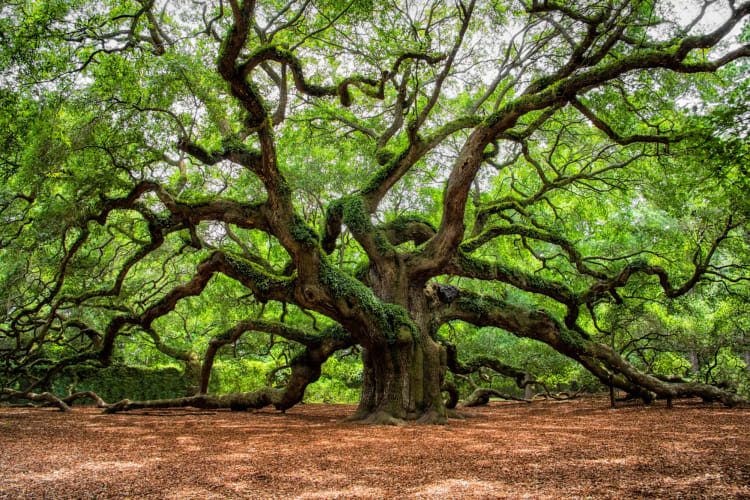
x,y
578,449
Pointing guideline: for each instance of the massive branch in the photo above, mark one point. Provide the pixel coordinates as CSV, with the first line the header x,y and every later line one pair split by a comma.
x,y
599,358
557,88
305,370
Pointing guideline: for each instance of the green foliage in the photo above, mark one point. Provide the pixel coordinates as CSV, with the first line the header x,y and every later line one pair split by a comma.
x,y
238,375
303,232
354,215
117,382
544,364
670,363
340,382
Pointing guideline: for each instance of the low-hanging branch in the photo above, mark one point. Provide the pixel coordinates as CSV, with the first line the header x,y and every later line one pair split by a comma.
x,y
310,340
51,399
599,358
481,396
46,397
305,369
476,362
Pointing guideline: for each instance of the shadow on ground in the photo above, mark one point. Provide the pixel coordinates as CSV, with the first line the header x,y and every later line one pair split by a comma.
x,y
573,449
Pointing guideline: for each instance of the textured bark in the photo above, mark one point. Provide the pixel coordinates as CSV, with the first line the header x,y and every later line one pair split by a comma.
x,y
402,381
695,366
453,395
403,376
482,396
46,397
236,401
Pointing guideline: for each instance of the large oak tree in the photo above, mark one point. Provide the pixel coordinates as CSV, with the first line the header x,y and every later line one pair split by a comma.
x,y
384,168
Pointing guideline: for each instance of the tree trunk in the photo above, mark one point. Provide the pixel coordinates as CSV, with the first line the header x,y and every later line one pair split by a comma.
x,y
402,381
403,376
747,360
192,374
527,394
695,366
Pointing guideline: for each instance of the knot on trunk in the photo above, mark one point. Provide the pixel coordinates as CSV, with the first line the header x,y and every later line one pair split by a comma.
x,y
447,293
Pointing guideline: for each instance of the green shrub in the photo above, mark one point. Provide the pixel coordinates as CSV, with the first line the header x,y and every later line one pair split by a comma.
x,y
117,382
238,375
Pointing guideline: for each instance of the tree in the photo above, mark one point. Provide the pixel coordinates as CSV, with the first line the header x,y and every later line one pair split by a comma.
x,y
381,168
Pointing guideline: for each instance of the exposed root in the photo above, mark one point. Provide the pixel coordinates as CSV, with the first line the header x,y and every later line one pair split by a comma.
x,y
358,416
457,414
432,417
382,418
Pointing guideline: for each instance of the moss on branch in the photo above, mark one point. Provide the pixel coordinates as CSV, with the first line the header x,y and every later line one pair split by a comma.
x,y
357,300
484,270
265,285
303,233
600,359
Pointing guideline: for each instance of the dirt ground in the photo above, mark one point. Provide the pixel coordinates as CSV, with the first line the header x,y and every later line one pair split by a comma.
x,y
578,449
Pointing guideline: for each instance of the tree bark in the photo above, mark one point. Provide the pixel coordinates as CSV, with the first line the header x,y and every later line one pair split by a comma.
x,y
46,397
402,381
86,395
482,396
403,376
453,394
695,366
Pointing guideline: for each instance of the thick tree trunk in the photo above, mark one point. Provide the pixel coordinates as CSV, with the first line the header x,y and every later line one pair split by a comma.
x,y
403,376
402,381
